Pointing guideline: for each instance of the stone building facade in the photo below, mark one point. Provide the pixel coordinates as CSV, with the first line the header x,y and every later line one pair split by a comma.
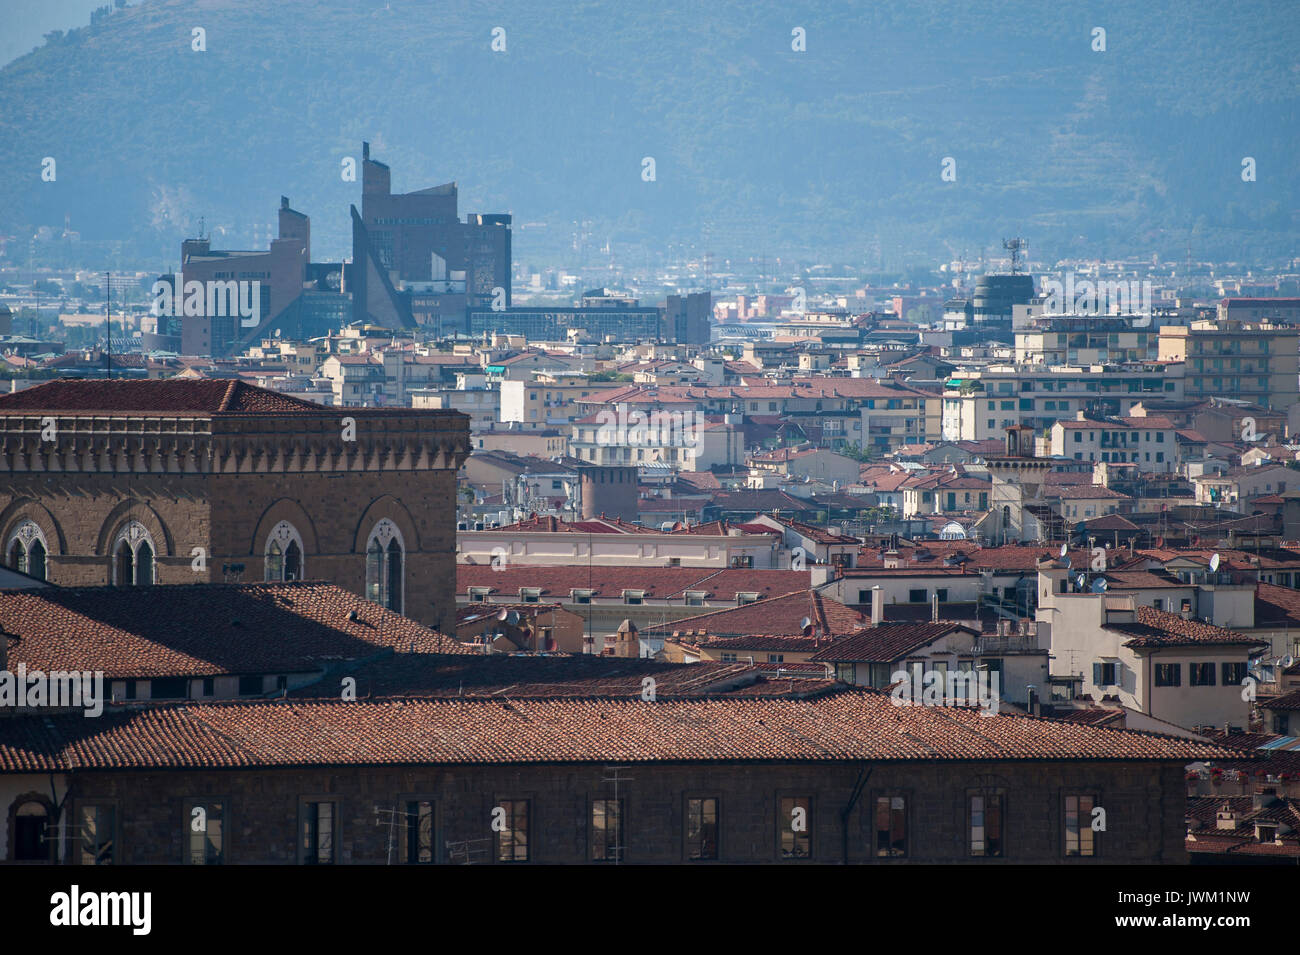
x,y
555,814
142,482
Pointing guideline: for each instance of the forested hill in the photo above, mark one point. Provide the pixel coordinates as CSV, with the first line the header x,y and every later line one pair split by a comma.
x,y
833,152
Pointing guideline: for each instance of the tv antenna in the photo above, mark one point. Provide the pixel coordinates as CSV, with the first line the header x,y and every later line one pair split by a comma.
x,y
121,283
615,778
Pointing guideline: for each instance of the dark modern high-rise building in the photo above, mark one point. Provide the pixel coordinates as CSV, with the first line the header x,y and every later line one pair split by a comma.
x,y
996,294
688,318
415,262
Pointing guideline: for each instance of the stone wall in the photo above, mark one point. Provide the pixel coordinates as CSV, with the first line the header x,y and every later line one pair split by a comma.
x,y
1144,805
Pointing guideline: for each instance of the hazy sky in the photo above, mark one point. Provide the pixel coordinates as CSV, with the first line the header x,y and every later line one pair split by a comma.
x,y
23,23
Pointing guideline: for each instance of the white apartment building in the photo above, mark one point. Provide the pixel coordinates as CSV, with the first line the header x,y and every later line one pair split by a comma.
x,y
1155,663
550,541
981,404
693,442
1148,442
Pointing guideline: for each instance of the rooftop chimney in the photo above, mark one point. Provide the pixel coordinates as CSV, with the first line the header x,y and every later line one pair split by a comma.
x,y
877,606
934,608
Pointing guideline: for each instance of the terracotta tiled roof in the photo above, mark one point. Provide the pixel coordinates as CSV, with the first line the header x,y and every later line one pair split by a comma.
x,y
1276,606
849,725
886,643
778,616
764,643
433,675
203,629
1158,628
1287,701
1091,716
1083,492
203,397
812,532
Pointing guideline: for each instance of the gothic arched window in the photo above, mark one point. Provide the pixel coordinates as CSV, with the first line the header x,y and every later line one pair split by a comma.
x,y
386,566
133,556
26,550
284,553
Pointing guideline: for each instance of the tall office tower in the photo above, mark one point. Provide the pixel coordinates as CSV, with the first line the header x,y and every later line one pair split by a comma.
x,y
688,318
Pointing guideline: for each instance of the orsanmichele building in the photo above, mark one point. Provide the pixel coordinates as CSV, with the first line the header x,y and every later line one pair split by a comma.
x,y
133,483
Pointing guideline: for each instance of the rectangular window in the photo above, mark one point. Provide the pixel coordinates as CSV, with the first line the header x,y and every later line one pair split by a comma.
x,y
1079,837
1169,674
97,833
1103,674
986,825
205,831
795,827
702,829
317,846
942,594
419,845
916,596
607,830
169,688
891,827
1202,674
250,686
1233,674
512,840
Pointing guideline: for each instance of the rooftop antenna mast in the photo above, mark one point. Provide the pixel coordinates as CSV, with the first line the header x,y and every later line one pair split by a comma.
x,y
1016,247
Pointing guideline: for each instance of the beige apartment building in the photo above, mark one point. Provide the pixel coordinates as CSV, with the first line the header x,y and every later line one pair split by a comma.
x,y
1254,362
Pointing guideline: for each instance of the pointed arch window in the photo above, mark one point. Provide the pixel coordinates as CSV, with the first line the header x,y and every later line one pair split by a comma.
x,y
26,550
386,566
133,556
284,553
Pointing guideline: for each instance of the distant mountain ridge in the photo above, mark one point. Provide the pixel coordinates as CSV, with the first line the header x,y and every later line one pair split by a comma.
x,y
833,153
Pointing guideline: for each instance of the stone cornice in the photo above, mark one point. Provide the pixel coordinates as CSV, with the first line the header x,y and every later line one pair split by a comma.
x,y
349,440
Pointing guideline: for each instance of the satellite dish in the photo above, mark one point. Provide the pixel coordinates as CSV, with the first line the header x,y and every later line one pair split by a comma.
x,y
501,615
1099,586
1065,549
806,626
1214,564
1287,660
1080,581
